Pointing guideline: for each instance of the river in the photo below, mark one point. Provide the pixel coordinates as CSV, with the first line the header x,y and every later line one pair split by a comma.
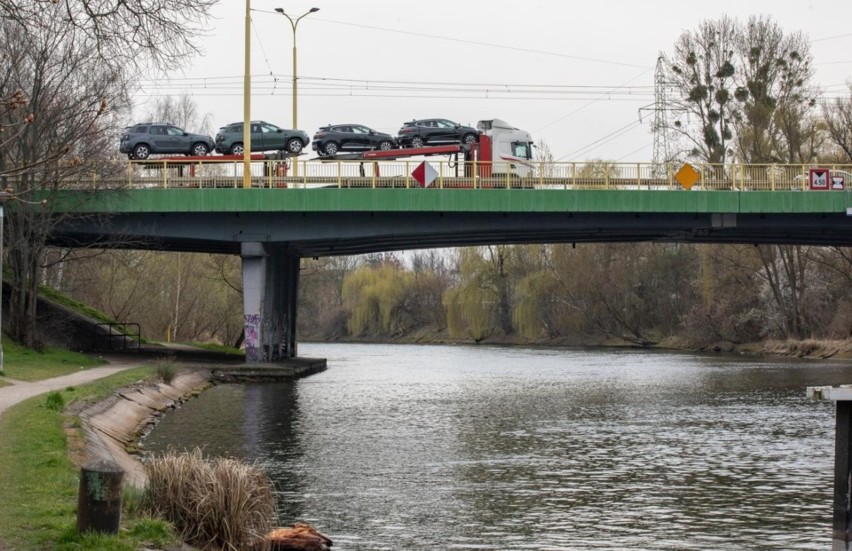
x,y
405,447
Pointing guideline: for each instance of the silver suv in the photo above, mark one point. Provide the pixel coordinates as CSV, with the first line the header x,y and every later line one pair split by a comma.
x,y
151,138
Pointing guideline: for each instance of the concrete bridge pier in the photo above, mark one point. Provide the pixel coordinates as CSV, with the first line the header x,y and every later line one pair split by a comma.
x,y
270,296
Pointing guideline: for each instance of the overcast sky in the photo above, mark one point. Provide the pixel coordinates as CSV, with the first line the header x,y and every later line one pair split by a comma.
x,y
574,74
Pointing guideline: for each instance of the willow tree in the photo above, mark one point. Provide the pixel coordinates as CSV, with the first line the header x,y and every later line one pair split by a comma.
x,y
375,297
67,68
536,311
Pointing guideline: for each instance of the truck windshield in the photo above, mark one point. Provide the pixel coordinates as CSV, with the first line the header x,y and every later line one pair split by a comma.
x,y
522,150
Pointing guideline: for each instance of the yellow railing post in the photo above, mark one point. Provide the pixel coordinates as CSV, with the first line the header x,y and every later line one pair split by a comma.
x,y
129,172
339,175
573,175
541,174
268,168
639,177
375,169
508,175
304,174
165,175
475,170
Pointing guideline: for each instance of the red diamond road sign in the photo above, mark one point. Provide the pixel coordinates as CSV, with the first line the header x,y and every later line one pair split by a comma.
x,y
424,174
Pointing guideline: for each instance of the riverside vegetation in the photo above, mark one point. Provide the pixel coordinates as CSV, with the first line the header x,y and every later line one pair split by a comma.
x,y
213,504
38,478
763,299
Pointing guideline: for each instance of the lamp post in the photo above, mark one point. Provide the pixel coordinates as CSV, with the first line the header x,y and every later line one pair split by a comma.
x,y
4,196
247,101
295,23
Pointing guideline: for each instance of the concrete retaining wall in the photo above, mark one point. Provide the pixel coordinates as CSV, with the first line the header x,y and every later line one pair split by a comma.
x,y
111,426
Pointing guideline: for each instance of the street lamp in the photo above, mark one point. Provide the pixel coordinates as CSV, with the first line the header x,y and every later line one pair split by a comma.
x,y
294,24
247,100
4,196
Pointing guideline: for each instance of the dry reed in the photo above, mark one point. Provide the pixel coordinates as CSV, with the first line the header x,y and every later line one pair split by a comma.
x,y
216,504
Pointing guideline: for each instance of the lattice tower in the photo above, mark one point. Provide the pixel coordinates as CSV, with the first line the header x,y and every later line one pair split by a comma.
x,y
662,151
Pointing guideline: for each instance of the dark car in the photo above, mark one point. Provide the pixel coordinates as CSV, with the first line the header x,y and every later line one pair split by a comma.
x,y
264,137
425,132
337,138
151,138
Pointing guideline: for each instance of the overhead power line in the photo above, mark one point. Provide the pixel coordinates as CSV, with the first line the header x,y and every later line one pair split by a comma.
x,y
475,42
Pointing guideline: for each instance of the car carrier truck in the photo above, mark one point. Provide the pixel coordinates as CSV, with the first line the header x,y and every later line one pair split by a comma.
x,y
500,150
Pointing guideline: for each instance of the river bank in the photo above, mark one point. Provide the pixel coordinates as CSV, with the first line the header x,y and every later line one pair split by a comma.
x,y
816,349
110,429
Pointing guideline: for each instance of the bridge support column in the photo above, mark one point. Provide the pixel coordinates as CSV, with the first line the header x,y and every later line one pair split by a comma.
x,y
842,518
270,296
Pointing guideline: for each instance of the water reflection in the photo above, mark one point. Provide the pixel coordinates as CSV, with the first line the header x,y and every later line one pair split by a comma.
x,y
405,447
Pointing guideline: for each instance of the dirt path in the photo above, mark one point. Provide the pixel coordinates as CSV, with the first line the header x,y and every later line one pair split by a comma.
x,y
19,391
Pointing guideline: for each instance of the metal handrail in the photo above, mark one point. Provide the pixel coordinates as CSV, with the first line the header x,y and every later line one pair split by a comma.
x,y
117,332
271,173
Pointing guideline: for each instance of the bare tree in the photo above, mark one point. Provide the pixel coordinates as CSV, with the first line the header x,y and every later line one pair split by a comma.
x,y
66,67
774,93
702,71
183,112
121,32
838,121
746,90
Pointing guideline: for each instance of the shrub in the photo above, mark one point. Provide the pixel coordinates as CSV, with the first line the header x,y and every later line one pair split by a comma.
x,y
219,503
166,370
55,401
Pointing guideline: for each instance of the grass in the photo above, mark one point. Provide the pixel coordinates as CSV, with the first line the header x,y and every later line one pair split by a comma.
x,y
39,484
26,364
55,296
166,370
220,503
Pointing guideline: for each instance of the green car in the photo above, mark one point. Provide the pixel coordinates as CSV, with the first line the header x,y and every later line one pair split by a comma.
x,y
264,137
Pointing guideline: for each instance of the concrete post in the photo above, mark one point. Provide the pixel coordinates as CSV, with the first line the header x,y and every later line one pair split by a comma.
x,y
270,301
842,517
99,498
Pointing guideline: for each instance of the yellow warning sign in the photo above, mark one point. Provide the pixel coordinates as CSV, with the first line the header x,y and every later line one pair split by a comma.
x,y
687,176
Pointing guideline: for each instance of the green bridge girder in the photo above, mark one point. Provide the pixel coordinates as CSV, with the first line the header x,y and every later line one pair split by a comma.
x,y
332,221
456,200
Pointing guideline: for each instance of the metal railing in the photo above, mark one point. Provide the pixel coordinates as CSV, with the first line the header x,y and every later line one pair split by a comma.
x,y
116,336
216,173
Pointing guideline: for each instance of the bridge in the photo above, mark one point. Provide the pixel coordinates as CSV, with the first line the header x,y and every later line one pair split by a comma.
x,y
314,209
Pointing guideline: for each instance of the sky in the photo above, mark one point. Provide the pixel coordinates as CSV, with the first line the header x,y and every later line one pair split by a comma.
x,y
577,75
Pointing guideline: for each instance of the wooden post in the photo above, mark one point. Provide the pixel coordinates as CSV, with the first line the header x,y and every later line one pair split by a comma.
x,y
99,499
842,518
842,523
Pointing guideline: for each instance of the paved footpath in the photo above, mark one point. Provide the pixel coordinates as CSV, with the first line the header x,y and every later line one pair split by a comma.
x,y
22,390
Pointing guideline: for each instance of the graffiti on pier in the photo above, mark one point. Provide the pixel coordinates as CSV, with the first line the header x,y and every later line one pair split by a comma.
x,y
252,338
